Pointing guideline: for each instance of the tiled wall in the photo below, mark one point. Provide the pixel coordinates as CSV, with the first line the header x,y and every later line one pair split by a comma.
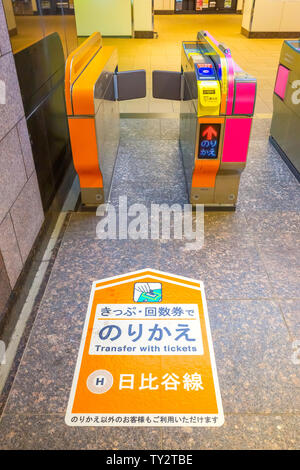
x,y
21,213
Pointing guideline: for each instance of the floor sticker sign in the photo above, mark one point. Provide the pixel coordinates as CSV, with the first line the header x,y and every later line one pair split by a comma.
x,y
146,355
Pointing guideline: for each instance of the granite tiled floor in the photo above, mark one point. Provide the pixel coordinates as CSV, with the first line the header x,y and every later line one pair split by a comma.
x,y
251,276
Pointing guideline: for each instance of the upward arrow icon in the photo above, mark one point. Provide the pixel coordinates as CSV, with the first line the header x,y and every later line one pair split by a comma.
x,y
210,132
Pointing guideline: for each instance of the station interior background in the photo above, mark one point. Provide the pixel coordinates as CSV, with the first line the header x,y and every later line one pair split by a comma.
x,y
164,51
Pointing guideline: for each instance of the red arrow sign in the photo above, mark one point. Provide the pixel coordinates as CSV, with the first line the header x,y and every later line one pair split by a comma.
x,y
210,132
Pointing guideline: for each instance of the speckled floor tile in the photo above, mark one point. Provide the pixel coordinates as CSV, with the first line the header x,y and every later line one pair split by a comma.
x,y
129,438
267,184
169,129
84,223
291,311
43,387
264,164
43,382
97,259
260,129
253,432
229,262
226,224
269,223
229,266
149,172
266,193
257,149
49,432
139,129
151,193
144,161
279,253
44,432
253,354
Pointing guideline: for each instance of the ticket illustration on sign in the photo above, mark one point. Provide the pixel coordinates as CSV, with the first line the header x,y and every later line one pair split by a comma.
x,y
147,292
146,356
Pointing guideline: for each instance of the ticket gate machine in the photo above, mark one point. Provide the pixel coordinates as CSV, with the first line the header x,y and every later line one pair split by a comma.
x,y
285,127
217,105
93,89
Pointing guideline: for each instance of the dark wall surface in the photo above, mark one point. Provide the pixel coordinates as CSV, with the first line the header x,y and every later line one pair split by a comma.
x,y
40,69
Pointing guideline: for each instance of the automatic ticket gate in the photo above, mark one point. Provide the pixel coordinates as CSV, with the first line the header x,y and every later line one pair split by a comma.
x,y
93,88
285,127
217,105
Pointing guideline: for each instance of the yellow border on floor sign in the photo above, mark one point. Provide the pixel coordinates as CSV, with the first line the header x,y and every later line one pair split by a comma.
x,y
146,356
